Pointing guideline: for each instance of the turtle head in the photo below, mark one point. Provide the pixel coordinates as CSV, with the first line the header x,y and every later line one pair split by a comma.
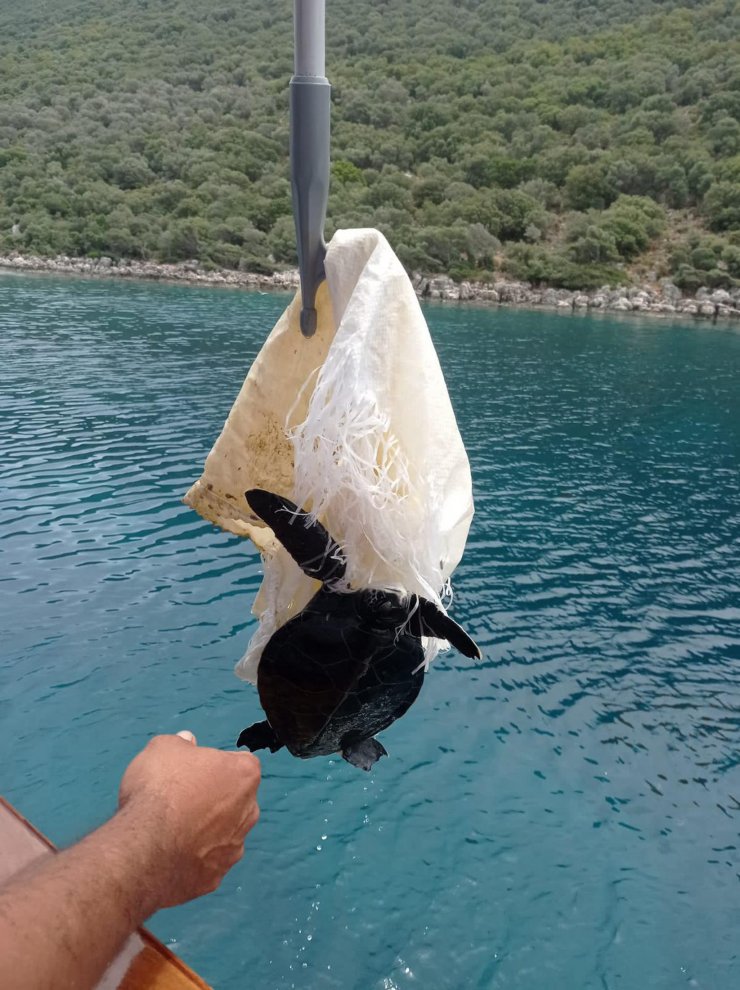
x,y
417,615
305,539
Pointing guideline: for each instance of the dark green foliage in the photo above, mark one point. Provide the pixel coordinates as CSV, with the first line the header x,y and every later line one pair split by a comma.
x,y
460,128
543,266
587,187
709,261
633,222
722,206
590,243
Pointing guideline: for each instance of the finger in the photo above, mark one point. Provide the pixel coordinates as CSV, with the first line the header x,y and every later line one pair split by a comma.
x,y
188,736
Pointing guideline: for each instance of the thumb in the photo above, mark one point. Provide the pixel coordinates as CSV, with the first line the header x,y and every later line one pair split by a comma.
x,y
188,736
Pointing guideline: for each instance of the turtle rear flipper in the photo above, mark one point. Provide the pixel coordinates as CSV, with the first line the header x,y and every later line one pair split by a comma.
x,y
305,539
261,735
432,621
363,754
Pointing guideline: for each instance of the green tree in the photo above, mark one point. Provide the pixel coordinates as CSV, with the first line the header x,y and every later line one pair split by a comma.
x,y
722,206
586,187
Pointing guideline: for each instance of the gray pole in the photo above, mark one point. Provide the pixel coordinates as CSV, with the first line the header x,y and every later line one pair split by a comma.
x,y
309,29
310,100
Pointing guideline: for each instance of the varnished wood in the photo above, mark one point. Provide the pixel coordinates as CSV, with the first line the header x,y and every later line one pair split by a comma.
x,y
144,963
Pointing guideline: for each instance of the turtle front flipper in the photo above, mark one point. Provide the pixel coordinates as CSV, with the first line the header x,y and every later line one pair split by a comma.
x,y
428,620
364,754
305,539
261,735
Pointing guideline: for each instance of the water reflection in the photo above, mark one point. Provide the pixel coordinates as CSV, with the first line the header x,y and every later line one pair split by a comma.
x,y
564,814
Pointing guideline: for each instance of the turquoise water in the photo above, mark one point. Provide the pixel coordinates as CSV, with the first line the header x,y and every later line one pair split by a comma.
x,y
563,816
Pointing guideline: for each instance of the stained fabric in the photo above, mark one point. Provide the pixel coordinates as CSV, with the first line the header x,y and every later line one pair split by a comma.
x,y
354,425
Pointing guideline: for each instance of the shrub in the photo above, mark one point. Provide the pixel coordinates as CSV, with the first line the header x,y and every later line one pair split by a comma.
x,y
722,206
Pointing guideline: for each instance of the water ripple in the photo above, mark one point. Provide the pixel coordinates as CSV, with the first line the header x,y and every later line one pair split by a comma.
x,y
560,814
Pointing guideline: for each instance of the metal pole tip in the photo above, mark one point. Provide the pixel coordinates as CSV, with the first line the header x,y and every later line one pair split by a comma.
x,y
308,322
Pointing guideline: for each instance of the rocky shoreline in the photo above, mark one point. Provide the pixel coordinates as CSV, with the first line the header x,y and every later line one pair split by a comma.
x,y
658,299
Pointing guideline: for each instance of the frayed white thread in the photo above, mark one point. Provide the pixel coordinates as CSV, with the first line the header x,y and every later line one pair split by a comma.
x,y
398,503
351,471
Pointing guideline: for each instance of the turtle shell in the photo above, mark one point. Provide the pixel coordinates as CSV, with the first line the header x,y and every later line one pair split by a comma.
x,y
340,671
350,663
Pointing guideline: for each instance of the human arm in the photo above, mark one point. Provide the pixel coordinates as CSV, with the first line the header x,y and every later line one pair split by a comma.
x,y
184,812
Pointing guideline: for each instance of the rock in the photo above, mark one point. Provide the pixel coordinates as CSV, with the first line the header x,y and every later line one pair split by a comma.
x,y
512,292
641,300
668,301
721,296
670,291
488,294
442,287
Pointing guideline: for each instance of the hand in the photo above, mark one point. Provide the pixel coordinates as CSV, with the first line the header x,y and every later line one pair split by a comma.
x,y
197,805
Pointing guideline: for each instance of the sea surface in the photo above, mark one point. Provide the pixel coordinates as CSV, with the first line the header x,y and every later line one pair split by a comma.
x,y
564,815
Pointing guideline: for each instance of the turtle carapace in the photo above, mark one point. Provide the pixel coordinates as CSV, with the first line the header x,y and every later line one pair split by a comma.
x,y
350,663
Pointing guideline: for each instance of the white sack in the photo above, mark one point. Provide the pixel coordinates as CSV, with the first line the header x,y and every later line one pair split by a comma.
x,y
354,424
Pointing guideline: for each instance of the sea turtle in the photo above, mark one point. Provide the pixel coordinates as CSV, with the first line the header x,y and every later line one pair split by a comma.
x,y
350,663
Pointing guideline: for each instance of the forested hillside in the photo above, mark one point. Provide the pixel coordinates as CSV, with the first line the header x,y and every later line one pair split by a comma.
x,y
565,141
